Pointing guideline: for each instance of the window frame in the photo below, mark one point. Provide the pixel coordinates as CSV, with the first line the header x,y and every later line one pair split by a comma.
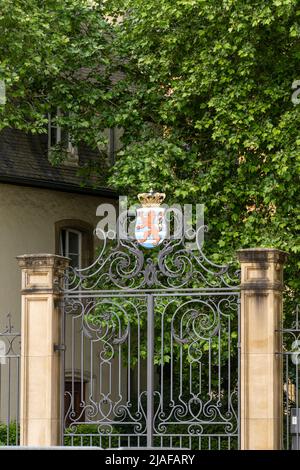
x,y
72,150
68,254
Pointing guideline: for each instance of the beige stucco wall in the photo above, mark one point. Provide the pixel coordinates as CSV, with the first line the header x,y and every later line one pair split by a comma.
x,y
27,225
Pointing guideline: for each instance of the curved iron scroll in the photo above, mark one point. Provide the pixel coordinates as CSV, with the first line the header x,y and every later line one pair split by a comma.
x,y
172,266
192,331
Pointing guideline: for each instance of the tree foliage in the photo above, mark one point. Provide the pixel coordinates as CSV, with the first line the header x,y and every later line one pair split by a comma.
x,y
55,54
204,99
203,94
210,118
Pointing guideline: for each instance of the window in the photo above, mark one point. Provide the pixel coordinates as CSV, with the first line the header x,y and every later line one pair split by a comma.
x,y
59,136
111,138
114,143
74,239
71,246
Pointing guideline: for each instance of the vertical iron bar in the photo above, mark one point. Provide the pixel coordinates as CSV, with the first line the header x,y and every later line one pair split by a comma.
x,y
91,384
287,401
219,359
180,362
162,362
297,409
62,376
229,364
209,368
128,365
239,371
150,368
18,400
139,366
119,368
171,365
8,402
200,372
82,368
73,364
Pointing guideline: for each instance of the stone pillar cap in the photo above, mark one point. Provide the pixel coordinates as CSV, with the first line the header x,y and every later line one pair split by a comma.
x,y
42,259
271,255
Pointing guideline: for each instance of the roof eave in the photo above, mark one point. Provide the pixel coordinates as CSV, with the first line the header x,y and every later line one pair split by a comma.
x,y
59,186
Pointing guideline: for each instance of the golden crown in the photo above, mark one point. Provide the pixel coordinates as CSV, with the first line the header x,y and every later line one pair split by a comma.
x,y
151,199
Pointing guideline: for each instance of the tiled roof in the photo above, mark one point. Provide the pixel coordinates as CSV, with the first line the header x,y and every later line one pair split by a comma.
x,y
24,160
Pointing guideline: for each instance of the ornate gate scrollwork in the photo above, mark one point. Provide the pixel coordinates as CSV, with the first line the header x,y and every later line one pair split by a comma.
x,y
152,354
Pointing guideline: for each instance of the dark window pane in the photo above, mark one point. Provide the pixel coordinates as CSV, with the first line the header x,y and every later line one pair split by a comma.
x,y
73,243
64,138
74,260
112,146
53,136
63,243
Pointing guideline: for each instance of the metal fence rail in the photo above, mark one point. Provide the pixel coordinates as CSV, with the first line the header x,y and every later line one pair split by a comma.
x,y
10,342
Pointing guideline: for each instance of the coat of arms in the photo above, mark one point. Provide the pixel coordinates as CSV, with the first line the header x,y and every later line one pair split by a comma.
x,y
151,227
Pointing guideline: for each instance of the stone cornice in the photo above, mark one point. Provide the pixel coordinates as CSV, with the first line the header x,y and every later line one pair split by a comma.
x,y
43,260
261,287
262,255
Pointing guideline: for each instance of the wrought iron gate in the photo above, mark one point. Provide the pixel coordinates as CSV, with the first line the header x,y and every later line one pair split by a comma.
x,y
151,350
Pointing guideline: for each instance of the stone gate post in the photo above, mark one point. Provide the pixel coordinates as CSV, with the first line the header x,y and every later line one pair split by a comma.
x,y
40,364
261,366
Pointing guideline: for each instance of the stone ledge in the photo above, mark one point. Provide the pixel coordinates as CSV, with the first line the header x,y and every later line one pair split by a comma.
x,y
262,255
42,260
261,286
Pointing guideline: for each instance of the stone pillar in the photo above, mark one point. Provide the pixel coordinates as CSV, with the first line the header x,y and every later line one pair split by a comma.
x,y
40,361
261,365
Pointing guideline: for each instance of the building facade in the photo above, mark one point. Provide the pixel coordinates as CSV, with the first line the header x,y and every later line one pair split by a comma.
x,y
43,209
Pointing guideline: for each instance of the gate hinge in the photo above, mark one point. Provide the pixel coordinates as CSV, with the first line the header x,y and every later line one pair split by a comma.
x,y
59,347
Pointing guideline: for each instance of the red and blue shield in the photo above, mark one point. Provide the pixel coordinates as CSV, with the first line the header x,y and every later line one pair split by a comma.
x,y
151,227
